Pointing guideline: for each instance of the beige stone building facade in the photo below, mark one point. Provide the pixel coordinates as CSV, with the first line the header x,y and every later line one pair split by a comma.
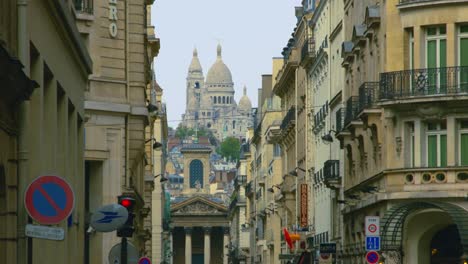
x,y
119,140
44,74
403,132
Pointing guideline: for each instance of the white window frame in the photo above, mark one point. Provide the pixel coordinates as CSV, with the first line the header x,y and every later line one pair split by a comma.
x,y
438,133
460,36
461,131
437,37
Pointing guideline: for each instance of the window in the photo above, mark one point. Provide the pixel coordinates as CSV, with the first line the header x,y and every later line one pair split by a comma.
x,y
463,129
436,57
436,142
215,100
196,173
463,56
411,135
277,150
411,49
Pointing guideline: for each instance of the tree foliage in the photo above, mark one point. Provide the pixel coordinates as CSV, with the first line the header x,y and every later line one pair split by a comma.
x,y
183,132
230,148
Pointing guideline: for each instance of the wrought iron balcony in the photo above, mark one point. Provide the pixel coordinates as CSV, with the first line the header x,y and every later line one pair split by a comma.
x,y
257,133
351,110
331,174
367,95
289,119
420,83
319,117
249,189
339,120
85,6
308,52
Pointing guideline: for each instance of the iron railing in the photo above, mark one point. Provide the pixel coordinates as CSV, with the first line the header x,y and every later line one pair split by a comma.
x,y
351,109
320,116
289,118
367,95
423,82
331,169
308,50
85,6
339,120
248,189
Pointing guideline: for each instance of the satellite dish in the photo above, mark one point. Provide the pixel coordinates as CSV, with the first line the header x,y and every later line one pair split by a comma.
x,y
109,218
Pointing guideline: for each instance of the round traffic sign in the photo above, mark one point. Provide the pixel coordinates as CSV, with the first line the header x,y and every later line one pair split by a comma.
x,y
109,218
115,257
144,260
372,228
49,200
372,257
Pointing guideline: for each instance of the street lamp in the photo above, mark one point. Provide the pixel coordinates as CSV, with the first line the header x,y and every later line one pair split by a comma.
x,y
328,137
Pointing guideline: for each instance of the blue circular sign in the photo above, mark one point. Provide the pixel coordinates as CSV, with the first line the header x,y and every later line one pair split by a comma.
x,y
372,257
144,260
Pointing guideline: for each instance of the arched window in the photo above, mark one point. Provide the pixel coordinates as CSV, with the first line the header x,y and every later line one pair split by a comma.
x,y
196,173
214,99
228,100
197,85
224,99
219,99
233,124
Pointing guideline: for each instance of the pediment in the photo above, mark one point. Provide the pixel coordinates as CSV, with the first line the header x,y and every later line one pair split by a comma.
x,y
198,206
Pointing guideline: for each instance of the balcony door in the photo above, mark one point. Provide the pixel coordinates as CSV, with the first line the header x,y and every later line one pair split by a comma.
x,y
463,57
436,142
436,60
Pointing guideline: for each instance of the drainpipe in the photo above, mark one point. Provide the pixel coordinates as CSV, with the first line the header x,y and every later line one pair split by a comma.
x,y
23,250
295,134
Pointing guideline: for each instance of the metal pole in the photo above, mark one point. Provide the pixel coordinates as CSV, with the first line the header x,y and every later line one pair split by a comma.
x,y
123,251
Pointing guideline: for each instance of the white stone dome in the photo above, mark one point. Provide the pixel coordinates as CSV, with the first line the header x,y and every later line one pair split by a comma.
x,y
244,102
219,73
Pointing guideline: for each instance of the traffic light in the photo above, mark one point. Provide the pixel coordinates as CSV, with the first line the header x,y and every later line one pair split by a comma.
x,y
127,229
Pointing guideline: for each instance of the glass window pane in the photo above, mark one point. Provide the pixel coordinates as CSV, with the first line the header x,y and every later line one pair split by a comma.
x,y
464,124
432,151
464,29
431,31
442,30
464,150
431,126
443,150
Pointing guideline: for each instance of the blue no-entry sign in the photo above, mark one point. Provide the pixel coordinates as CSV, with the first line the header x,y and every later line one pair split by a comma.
x,y
372,243
144,260
49,200
372,257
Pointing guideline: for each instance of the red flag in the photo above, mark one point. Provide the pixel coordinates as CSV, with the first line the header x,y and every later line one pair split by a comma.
x,y
287,237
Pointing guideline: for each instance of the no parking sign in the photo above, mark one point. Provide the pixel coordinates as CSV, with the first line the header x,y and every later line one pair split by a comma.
x,y
49,200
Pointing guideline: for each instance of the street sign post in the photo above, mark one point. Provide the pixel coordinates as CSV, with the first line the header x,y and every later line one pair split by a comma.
x,y
109,218
372,225
45,232
49,200
372,257
373,243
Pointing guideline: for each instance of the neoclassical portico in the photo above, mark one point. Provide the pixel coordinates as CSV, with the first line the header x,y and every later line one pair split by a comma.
x,y
199,230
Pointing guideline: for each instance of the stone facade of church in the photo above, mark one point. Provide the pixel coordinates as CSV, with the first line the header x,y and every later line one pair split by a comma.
x,y
210,103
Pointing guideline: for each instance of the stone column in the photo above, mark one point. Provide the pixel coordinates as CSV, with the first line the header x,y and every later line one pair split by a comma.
x,y
188,245
207,244
225,245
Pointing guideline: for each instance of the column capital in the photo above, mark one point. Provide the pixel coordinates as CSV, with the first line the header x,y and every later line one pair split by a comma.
x,y
207,230
188,230
226,230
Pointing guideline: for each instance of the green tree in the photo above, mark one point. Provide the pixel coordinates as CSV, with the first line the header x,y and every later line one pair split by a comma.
x,y
230,148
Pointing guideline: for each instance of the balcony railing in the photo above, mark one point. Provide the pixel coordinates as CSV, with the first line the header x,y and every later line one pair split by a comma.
x,y
331,169
319,117
308,51
339,120
85,6
248,189
423,82
351,109
289,119
367,95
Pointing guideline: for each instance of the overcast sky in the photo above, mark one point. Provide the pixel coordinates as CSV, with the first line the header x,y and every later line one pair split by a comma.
x,y
251,33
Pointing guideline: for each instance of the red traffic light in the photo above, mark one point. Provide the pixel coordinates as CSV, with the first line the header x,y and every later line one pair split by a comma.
x,y
126,203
